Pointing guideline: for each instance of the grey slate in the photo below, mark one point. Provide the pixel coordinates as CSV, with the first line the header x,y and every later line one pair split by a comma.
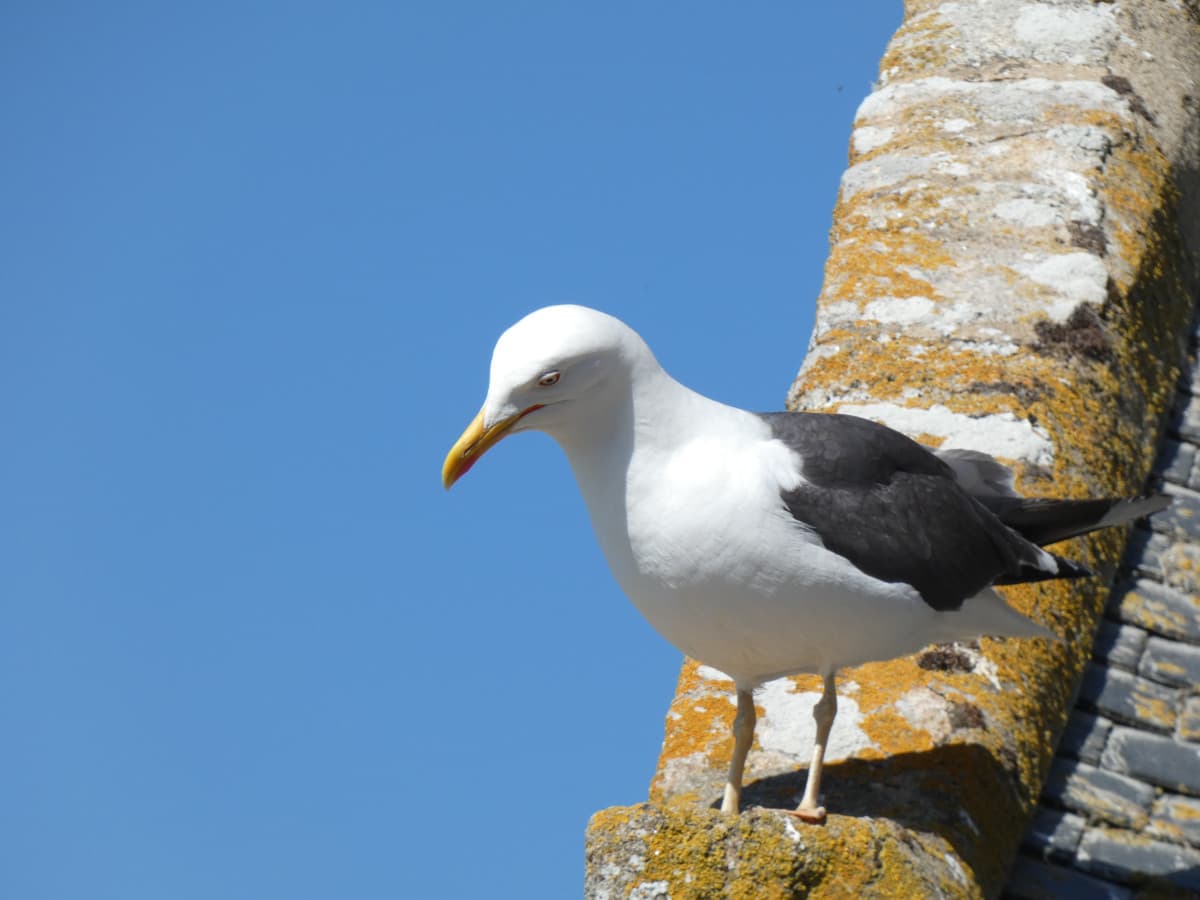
x,y
1186,422
1158,609
1125,857
1098,794
1176,818
1189,720
1154,758
1171,663
1054,834
1085,736
1182,516
1129,756
1030,879
1126,697
1147,548
1119,645
1175,461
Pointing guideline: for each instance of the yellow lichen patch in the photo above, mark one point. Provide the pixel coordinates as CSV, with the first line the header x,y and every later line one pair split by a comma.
x,y
892,733
1189,727
1166,667
920,129
694,854
974,384
857,274
869,261
922,43
1186,813
1151,614
699,726
1154,711
901,369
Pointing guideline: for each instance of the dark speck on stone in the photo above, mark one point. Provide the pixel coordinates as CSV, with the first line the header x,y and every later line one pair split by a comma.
x,y
965,715
1083,334
1088,237
1124,87
946,658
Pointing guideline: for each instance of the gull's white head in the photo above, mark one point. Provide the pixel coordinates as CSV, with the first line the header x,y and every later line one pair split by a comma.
x,y
557,367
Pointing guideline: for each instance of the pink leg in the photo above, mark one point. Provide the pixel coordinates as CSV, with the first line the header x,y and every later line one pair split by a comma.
x,y
823,713
743,737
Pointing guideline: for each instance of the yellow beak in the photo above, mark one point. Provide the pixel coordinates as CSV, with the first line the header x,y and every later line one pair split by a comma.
x,y
475,442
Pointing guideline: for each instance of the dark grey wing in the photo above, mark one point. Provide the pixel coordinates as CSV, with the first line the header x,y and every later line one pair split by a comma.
x,y
895,510
1044,520
1041,520
839,449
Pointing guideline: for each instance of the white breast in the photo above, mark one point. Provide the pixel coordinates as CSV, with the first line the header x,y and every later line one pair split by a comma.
x,y
698,537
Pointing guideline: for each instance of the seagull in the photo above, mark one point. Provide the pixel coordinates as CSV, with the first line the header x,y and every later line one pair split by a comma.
x,y
773,544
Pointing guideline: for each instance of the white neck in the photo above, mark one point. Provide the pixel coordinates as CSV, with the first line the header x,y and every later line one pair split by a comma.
x,y
643,418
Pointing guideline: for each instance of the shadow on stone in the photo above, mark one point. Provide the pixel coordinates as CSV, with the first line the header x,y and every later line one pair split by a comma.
x,y
958,792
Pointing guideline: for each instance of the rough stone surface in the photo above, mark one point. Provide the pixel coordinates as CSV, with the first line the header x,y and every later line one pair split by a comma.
x,y
1171,662
688,853
1176,819
1189,720
1119,645
1176,460
1085,736
1126,697
1155,758
1148,547
1053,834
1147,760
1123,858
1099,794
1161,608
1011,268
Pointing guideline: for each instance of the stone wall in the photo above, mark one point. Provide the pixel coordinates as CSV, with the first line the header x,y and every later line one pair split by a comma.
x,y
1120,810
1013,266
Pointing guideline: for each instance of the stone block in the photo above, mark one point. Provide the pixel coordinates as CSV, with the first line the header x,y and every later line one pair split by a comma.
x,y
1084,736
1053,834
1181,568
1119,645
1186,422
1124,856
1145,550
1031,879
1175,461
1182,517
1127,697
1160,760
1171,662
1098,794
1159,609
1177,819
1189,720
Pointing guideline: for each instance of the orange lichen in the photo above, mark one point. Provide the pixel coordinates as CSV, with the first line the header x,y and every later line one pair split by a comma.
x,y
923,43
692,854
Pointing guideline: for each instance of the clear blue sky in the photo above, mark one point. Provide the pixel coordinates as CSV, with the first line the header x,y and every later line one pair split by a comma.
x,y
255,256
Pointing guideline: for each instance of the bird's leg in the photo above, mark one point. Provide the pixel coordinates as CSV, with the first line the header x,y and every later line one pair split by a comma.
x,y
743,737
823,713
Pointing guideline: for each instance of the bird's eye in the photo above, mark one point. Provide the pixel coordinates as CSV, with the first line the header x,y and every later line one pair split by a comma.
x,y
548,379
